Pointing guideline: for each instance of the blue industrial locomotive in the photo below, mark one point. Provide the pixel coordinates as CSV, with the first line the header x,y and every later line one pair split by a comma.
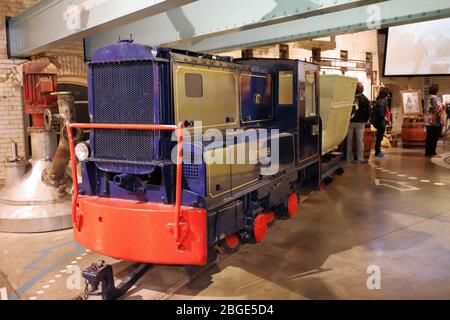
x,y
150,107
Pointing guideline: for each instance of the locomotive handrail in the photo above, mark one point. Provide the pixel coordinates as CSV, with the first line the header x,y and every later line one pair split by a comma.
x,y
149,127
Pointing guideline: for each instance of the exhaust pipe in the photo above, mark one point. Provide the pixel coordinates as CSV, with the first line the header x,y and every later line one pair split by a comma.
x,y
56,175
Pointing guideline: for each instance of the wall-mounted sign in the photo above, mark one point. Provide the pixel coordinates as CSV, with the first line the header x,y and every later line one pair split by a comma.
x,y
340,63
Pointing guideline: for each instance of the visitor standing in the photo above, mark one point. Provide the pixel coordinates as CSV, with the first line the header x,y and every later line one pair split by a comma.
x,y
434,119
379,119
360,116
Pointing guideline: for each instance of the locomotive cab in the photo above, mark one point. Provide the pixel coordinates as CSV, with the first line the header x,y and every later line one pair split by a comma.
x,y
296,107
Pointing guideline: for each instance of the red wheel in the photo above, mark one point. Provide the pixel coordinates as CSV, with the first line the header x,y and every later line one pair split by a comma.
x,y
260,227
293,205
270,217
230,243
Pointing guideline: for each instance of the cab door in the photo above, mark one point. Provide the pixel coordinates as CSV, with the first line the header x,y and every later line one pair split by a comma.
x,y
309,119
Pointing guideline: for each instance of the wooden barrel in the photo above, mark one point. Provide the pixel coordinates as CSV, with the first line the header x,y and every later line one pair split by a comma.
x,y
369,142
413,133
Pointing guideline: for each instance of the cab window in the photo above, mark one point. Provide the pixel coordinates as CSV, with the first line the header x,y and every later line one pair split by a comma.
x,y
193,85
285,87
310,97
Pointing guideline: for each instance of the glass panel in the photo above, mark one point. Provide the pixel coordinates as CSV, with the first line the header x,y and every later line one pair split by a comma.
x,y
194,85
286,87
310,98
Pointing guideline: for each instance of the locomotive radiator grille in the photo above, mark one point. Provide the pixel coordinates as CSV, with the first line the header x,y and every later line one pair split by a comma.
x,y
123,94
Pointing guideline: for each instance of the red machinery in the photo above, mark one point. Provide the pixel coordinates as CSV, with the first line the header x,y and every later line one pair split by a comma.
x,y
39,81
36,197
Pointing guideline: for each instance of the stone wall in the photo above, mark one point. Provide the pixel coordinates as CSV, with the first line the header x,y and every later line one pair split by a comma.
x,y
356,44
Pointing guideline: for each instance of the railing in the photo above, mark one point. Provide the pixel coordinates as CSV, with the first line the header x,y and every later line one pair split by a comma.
x,y
179,165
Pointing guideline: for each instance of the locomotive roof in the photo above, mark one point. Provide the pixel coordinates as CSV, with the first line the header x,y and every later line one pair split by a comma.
x,y
214,61
129,51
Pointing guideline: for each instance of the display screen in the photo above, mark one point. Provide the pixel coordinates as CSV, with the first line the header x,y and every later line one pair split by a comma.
x,y
418,49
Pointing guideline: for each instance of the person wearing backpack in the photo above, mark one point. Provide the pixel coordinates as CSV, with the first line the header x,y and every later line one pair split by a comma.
x,y
360,116
378,119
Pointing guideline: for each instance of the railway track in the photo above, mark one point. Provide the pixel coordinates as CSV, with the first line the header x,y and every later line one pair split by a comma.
x,y
100,280
188,279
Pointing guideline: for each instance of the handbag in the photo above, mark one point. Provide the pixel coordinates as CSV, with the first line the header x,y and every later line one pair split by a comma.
x,y
388,114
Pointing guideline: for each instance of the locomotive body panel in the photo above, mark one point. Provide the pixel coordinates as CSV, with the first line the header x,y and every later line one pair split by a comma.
x,y
256,97
206,94
218,174
309,118
141,232
296,104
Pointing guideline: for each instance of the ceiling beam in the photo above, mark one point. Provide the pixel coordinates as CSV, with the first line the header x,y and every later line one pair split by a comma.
x,y
51,22
208,18
384,14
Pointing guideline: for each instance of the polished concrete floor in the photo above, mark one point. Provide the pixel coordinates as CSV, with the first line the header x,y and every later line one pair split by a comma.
x,y
391,215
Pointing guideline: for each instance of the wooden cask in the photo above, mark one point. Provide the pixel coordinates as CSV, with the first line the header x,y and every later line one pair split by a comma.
x,y
413,133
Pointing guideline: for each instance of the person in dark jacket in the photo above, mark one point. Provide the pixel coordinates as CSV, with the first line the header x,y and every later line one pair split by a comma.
x,y
379,120
434,120
360,116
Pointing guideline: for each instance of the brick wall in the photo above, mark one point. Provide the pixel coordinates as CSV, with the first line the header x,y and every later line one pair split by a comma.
x,y
69,60
12,127
357,45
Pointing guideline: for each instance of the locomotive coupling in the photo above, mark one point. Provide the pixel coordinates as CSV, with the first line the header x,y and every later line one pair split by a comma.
x,y
99,280
129,182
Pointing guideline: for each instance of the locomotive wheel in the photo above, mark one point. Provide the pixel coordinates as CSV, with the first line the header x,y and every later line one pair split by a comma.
x,y
292,206
328,180
340,171
230,244
270,217
260,227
